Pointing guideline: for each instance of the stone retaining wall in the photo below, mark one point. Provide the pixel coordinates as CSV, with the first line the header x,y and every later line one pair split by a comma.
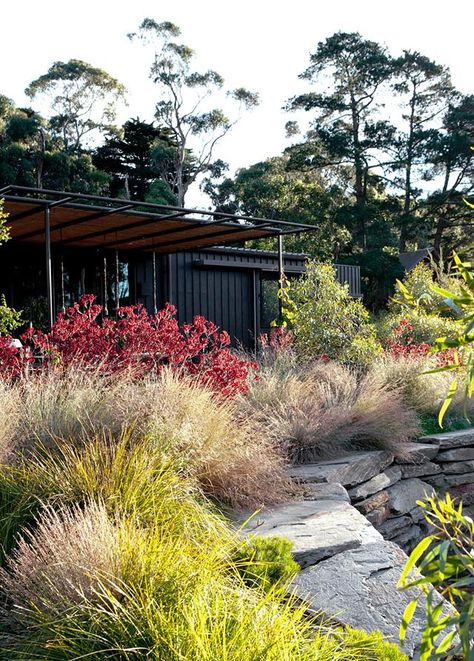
x,y
385,490
358,515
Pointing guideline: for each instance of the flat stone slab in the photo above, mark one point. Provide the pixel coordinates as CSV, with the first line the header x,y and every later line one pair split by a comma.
x,y
464,493
358,588
379,515
451,439
377,483
318,529
457,480
351,470
418,453
457,454
408,539
374,502
395,526
420,470
325,491
437,481
457,467
404,494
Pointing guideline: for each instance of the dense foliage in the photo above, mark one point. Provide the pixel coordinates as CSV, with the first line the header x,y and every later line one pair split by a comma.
x,y
110,548
327,321
446,566
133,340
373,177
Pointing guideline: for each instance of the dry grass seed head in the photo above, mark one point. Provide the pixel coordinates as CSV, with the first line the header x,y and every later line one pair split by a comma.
x,y
63,560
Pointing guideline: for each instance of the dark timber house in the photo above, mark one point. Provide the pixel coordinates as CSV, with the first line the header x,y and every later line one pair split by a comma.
x,y
125,252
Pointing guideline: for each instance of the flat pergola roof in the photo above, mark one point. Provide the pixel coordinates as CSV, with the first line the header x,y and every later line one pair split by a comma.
x,y
89,221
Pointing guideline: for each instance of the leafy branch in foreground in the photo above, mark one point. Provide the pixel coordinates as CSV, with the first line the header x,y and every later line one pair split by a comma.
x,y
462,302
445,560
460,343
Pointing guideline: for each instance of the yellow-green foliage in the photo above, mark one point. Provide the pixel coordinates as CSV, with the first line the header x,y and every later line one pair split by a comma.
x,y
224,453
328,321
4,229
10,319
124,560
265,561
446,566
419,282
424,309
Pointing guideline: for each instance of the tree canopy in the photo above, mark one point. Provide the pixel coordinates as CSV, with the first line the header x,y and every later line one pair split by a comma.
x,y
378,158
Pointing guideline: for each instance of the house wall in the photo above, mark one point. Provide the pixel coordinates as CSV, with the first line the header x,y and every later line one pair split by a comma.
x,y
234,288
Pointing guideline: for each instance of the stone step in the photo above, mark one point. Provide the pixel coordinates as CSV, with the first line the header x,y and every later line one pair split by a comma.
x,y
418,453
451,439
318,529
358,587
457,454
351,470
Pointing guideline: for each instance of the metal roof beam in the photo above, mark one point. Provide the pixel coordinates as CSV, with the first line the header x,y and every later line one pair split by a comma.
x,y
140,223
212,235
161,207
72,223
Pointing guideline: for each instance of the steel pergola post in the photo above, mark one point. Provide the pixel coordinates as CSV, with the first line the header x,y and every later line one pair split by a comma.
x,y
281,273
117,278
105,292
153,265
49,267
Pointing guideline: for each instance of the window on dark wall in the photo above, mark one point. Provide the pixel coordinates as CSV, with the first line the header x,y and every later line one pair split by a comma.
x,y
268,301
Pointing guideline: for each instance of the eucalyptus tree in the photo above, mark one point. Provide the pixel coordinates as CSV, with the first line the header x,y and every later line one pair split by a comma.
x,y
271,190
184,106
425,90
83,100
452,160
349,73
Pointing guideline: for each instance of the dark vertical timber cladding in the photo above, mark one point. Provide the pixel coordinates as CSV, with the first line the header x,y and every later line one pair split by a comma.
x,y
222,295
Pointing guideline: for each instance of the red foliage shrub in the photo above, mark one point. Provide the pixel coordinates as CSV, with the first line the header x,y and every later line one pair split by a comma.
x,y
14,361
279,339
404,346
138,341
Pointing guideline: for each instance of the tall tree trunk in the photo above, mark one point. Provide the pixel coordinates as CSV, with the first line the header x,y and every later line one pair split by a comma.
x,y
359,182
441,223
408,169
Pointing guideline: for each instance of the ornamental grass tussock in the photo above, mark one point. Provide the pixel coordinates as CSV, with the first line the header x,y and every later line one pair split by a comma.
x,y
125,559
324,409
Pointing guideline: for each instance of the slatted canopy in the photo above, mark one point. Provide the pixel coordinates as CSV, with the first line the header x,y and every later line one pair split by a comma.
x,y
49,217
88,221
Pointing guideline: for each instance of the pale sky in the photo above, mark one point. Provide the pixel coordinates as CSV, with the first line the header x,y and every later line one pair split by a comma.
x,y
257,44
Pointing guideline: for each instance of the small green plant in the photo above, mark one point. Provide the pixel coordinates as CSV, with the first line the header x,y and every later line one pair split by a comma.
x,y
265,562
462,341
445,561
9,319
4,229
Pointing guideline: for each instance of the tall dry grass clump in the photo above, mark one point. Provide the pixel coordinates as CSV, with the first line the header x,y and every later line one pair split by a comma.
x,y
63,560
325,409
228,453
421,389
225,453
10,413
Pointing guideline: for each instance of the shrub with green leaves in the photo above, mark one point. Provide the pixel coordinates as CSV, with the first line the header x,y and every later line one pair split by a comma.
x,y
327,321
265,561
10,319
445,561
419,284
416,302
